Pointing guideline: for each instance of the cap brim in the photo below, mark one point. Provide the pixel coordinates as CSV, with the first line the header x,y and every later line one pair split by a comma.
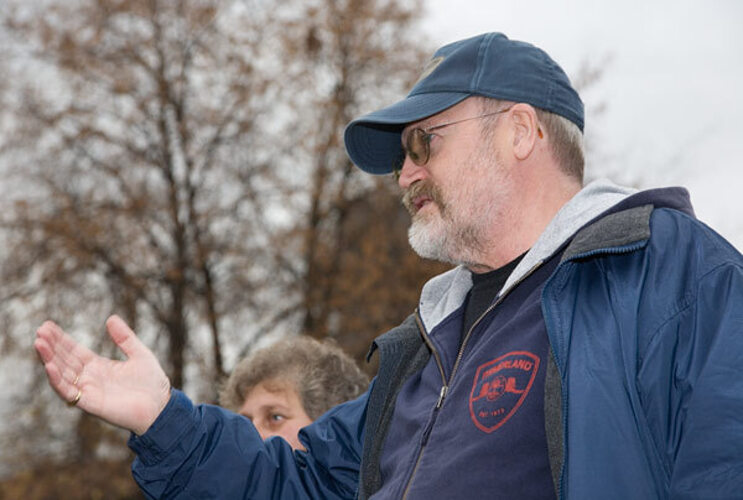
x,y
373,141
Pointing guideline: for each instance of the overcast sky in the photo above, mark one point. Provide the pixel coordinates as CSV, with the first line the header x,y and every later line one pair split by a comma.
x,y
672,85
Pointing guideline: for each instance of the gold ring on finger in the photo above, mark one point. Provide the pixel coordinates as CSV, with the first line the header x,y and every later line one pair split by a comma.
x,y
76,398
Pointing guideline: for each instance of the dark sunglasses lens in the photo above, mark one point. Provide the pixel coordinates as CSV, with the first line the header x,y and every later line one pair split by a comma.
x,y
418,147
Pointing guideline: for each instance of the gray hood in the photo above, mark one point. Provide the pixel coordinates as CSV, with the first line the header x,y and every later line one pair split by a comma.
x,y
446,292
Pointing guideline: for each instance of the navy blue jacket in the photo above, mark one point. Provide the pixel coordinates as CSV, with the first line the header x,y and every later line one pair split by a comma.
x,y
643,394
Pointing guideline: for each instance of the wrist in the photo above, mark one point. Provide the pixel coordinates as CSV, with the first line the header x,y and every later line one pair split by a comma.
x,y
175,424
158,408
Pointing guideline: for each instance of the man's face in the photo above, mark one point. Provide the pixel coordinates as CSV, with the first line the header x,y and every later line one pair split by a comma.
x,y
275,409
459,193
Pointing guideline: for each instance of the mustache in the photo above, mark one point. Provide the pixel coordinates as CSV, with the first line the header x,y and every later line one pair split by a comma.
x,y
423,188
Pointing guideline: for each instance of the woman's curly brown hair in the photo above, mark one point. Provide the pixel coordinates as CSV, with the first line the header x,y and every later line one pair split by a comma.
x,y
322,374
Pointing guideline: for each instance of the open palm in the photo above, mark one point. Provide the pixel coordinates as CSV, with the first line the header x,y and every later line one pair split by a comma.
x,y
129,394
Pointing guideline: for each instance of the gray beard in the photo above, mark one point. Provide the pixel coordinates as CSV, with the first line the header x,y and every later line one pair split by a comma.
x,y
426,246
437,240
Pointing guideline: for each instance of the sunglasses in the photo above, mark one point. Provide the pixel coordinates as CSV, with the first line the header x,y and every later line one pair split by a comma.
x,y
416,143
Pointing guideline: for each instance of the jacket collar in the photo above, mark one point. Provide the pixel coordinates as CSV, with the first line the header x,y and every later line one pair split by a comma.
x,y
446,292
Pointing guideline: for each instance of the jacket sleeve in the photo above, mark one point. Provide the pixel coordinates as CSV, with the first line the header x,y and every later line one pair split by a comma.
x,y
707,429
693,377
203,451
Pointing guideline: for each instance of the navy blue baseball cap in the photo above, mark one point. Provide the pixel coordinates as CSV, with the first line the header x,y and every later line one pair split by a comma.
x,y
488,65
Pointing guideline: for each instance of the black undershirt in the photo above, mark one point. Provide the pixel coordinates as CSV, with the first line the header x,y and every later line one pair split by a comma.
x,y
485,288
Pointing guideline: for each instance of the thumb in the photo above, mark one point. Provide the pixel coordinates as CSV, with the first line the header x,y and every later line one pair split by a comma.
x,y
124,337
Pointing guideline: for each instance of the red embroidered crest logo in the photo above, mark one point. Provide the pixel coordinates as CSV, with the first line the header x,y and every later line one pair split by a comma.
x,y
500,387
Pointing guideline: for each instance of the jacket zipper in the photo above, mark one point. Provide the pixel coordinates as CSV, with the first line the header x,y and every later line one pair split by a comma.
x,y
446,384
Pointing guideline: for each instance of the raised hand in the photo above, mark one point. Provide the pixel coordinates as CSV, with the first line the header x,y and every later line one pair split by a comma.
x,y
129,394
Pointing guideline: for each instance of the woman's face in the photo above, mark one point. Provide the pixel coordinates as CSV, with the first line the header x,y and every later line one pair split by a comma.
x,y
275,409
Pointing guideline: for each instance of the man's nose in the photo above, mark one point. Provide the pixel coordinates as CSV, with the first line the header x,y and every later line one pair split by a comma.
x,y
410,173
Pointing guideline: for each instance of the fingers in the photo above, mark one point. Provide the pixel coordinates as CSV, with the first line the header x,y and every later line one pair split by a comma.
x,y
54,345
124,337
64,360
64,388
46,339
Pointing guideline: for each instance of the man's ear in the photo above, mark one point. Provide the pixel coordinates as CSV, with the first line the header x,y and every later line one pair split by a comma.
x,y
526,131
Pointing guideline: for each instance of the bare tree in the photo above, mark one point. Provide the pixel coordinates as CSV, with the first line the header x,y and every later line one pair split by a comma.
x,y
365,55
129,182
181,163
137,160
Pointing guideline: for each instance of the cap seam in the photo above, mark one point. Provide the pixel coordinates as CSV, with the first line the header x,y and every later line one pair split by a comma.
x,y
479,66
552,85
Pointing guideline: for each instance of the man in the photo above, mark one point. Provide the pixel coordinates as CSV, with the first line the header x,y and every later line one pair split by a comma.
x,y
289,384
586,345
